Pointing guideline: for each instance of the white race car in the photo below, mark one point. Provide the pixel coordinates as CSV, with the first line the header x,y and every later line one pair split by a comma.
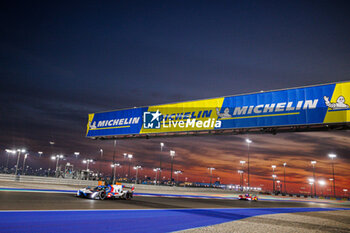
x,y
107,191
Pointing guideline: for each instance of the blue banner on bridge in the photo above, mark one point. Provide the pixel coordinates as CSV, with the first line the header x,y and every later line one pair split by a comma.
x,y
321,104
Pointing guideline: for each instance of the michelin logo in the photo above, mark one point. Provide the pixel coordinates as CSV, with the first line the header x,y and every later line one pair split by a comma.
x,y
340,104
226,113
151,120
266,108
121,122
93,125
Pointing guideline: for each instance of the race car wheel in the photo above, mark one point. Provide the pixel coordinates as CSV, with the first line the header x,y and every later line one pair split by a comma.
x,y
102,195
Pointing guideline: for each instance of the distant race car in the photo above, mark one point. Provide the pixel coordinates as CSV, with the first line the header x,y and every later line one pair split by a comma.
x,y
247,197
102,192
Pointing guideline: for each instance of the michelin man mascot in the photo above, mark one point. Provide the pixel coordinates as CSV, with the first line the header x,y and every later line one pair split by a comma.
x,y
226,113
340,104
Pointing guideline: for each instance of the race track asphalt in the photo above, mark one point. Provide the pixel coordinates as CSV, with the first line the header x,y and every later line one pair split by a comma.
x,y
34,211
67,201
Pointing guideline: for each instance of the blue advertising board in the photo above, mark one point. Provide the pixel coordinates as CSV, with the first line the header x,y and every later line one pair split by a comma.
x,y
321,104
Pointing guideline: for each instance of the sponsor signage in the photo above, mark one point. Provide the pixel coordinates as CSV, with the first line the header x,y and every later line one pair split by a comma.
x,y
321,104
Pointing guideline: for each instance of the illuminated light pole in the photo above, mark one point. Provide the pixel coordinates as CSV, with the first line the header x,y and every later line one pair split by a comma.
x,y
114,151
137,169
114,165
57,158
40,153
284,179
248,141
311,182
242,162
177,176
160,160
100,166
345,190
331,179
125,155
278,185
76,154
87,161
313,163
273,175
156,171
8,154
211,174
332,156
129,157
240,172
19,151
24,162
172,155
321,183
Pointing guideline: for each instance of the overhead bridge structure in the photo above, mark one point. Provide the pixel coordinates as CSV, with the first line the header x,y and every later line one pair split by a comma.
x,y
310,108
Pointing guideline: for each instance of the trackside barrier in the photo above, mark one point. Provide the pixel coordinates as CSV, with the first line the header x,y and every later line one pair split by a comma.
x,y
181,189
151,188
138,187
46,180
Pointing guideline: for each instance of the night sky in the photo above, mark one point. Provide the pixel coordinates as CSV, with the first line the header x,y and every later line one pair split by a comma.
x,y
60,61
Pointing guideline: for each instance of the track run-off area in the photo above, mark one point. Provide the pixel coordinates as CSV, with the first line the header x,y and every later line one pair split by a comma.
x,y
30,210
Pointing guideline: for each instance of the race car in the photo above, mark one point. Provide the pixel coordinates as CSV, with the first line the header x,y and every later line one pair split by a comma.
x,y
247,197
102,192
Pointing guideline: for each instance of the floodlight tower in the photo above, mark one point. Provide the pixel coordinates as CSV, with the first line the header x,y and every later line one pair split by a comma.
x,y
114,166
137,169
313,163
240,172
311,183
274,176
211,174
242,162
8,151
248,141
172,155
322,183
160,160
57,158
130,156
332,156
284,180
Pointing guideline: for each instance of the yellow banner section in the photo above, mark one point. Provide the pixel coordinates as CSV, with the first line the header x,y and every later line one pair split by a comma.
x,y
91,117
339,105
187,116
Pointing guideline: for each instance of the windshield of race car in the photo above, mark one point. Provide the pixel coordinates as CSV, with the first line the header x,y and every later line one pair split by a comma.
x,y
98,188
